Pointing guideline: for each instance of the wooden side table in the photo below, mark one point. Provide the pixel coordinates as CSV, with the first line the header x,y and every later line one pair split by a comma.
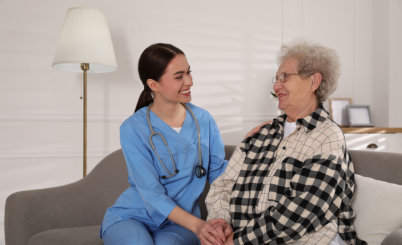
x,y
374,139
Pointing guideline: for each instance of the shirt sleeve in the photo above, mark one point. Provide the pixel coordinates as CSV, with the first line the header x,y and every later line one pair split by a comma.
x,y
218,198
144,176
217,162
315,195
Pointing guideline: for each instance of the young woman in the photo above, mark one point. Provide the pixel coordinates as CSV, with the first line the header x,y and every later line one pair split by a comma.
x,y
171,149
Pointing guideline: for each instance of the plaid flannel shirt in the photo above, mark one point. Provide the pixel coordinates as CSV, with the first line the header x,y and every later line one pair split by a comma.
x,y
311,187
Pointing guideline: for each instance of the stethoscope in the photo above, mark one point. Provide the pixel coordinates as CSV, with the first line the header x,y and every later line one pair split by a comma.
x,y
199,169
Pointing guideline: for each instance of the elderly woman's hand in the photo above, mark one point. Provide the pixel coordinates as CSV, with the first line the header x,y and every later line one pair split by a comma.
x,y
256,129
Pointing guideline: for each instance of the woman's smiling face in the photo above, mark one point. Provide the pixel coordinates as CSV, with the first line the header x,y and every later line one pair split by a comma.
x,y
175,83
295,92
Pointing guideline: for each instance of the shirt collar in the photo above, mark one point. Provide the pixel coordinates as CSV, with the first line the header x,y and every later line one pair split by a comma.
x,y
309,122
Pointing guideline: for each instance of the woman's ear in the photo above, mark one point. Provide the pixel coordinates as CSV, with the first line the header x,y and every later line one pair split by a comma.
x,y
153,85
317,78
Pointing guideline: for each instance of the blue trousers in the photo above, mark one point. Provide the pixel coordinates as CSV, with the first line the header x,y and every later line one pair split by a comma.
x,y
133,232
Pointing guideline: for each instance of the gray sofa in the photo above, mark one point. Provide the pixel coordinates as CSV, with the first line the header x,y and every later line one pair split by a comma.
x,y
72,214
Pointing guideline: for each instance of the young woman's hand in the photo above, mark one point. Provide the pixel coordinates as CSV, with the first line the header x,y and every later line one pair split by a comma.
x,y
205,230
256,129
209,234
227,230
222,227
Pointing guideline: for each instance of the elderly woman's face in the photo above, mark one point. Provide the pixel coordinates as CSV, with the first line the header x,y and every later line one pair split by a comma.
x,y
295,93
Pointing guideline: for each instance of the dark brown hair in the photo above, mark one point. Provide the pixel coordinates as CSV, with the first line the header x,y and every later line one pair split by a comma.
x,y
151,65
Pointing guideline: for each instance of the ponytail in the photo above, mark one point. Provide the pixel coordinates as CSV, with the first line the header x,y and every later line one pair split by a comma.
x,y
145,99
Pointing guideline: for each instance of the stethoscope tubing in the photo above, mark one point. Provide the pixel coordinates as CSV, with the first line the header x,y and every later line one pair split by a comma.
x,y
201,171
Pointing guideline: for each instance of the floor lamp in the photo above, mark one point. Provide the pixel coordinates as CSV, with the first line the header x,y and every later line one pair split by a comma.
x,y
85,46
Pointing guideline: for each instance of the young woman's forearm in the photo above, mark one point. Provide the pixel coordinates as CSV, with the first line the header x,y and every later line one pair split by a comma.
x,y
183,218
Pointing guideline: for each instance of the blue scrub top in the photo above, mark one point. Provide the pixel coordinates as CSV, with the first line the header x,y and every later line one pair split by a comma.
x,y
150,199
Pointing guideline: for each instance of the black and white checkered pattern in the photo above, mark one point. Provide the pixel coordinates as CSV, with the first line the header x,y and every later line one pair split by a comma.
x,y
303,182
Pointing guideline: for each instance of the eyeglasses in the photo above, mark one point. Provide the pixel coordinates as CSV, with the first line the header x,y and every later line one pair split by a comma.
x,y
282,78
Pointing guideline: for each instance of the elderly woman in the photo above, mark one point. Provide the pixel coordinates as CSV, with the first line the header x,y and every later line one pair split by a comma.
x,y
292,181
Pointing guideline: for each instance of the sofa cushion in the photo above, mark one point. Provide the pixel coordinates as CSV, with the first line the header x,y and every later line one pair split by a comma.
x,y
68,236
395,238
378,206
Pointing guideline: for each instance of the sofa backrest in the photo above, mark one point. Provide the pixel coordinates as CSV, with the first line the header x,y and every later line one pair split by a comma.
x,y
385,166
109,177
107,181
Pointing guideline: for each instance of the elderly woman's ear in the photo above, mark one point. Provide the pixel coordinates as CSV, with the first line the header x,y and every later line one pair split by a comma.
x,y
317,78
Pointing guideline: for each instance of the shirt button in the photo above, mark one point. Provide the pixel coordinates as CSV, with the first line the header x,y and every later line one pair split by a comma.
x,y
284,148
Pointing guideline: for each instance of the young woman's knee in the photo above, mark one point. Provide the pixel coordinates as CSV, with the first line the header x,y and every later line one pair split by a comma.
x,y
128,232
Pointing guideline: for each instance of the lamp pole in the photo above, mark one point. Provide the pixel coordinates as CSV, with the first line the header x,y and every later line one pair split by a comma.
x,y
85,26
85,68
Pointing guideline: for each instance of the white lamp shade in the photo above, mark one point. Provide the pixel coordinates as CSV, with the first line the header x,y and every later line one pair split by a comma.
x,y
85,38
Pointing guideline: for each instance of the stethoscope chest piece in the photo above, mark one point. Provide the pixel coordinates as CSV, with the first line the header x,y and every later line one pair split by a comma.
x,y
200,171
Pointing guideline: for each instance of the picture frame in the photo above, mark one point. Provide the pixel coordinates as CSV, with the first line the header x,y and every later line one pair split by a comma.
x,y
337,110
360,116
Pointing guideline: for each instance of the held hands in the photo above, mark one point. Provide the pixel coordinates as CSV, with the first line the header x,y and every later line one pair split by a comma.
x,y
211,232
215,232
227,230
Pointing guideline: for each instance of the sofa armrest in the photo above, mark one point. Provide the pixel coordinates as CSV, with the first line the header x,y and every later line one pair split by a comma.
x,y
30,212
394,238
82,203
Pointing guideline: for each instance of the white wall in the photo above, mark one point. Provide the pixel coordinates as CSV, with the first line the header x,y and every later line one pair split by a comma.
x,y
387,53
381,64
395,66
231,46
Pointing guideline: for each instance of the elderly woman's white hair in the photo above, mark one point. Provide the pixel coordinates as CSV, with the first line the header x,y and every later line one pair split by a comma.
x,y
314,58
